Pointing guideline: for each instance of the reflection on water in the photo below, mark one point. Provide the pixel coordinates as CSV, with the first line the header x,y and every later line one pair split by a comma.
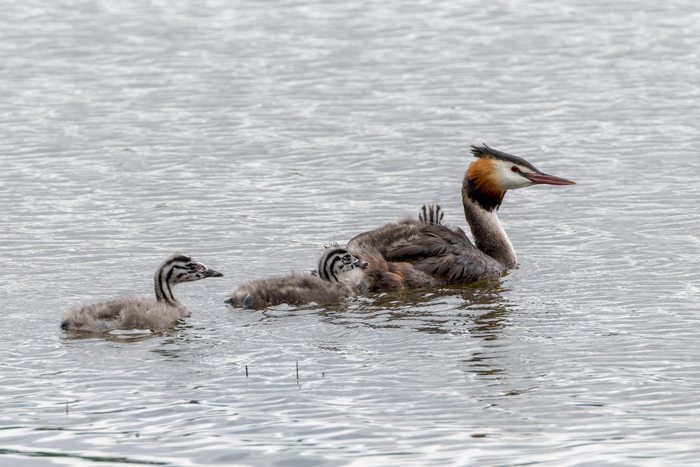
x,y
17,455
123,337
252,134
481,365
476,308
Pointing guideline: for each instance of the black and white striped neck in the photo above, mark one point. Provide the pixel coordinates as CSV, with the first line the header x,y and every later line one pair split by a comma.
x,y
167,276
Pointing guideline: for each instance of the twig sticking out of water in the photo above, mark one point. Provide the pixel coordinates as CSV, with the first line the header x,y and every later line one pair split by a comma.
x,y
297,370
66,407
246,371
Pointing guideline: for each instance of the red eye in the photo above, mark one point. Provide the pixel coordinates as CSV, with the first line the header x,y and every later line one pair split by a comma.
x,y
515,168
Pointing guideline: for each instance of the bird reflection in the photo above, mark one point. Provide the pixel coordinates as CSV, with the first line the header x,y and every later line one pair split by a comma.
x,y
479,309
122,337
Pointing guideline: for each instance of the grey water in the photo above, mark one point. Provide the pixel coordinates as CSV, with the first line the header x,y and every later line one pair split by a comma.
x,y
251,134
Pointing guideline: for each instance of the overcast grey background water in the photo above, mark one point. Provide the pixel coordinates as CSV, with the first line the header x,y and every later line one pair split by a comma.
x,y
250,134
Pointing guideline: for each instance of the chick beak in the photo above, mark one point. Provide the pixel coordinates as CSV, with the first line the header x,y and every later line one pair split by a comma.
x,y
358,263
206,272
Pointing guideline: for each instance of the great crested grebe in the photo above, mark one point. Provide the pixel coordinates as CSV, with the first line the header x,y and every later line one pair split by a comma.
x,y
339,275
424,253
139,313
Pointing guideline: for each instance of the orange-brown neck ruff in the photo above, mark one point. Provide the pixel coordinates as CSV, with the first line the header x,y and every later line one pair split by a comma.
x,y
480,184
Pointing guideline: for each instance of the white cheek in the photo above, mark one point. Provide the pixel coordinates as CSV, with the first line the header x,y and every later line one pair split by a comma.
x,y
352,277
511,180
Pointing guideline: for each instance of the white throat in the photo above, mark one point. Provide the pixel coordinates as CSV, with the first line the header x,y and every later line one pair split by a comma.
x,y
352,278
489,235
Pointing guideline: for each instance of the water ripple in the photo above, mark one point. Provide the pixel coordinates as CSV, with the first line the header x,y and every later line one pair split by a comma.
x,y
251,135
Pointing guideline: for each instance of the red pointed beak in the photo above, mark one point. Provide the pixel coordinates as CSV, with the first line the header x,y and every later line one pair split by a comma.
x,y
544,179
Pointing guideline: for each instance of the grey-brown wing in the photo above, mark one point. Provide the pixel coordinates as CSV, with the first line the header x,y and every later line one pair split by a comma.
x,y
123,313
445,254
385,238
99,317
294,289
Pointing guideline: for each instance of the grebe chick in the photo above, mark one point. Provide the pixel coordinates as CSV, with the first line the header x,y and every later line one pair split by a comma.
x,y
339,276
139,313
432,214
424,253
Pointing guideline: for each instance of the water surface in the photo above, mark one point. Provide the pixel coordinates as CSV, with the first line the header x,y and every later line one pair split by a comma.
x,y
251,134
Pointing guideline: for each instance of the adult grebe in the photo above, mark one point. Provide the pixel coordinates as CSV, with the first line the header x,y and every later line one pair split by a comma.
x,y
424,253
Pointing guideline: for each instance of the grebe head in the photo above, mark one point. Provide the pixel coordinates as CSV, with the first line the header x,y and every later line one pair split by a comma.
x,y
336,261
179,268
495,172
175,269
